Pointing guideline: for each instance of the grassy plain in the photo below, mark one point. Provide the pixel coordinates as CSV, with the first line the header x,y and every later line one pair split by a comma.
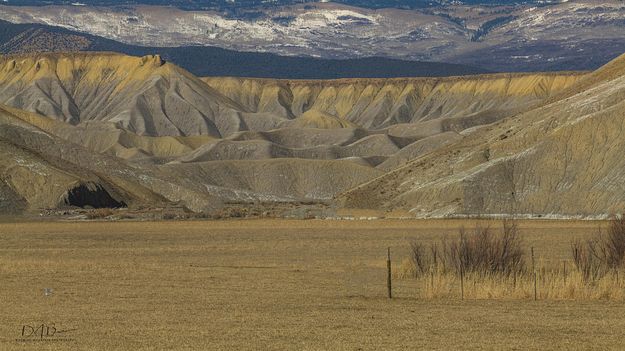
x,y
270,284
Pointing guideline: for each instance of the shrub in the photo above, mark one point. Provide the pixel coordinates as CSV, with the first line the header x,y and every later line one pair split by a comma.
x,y
479,251
483,251
169,216
493,267
614,244
596,257
419,258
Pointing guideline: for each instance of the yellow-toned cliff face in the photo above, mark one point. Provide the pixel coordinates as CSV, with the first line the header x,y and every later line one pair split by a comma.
x,y
143,95
380,103
147,96
81,69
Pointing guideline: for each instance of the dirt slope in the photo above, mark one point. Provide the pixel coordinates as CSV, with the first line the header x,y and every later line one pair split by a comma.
x,y
278,178
145,132
380,103
142,107
38,170
146,95
563,158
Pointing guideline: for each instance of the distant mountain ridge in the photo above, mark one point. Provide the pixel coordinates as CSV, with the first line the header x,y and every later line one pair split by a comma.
x,y
225,5
524,37
213,61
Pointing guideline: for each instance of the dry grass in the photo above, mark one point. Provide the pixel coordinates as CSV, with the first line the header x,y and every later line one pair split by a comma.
x,y
475,251
600,255
273,285
487,264
555,285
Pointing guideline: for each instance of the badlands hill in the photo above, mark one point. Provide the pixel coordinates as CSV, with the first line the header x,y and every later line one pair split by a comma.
x,y
382,103
562,158
140,131
41,170
142,101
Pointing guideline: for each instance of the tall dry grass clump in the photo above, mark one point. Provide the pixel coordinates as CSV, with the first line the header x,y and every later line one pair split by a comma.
x,y
483,251
483,263
479,251
603,254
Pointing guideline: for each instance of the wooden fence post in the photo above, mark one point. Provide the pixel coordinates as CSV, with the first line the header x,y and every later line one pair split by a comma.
x,y
461,282
388,274
535,278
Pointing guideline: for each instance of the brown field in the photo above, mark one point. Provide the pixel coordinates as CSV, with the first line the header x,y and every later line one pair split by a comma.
x,y
270,284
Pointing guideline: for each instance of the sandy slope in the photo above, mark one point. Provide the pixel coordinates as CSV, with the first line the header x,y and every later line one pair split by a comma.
x,y
562,158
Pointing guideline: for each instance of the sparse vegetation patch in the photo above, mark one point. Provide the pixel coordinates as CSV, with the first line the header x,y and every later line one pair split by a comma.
x,y
486,264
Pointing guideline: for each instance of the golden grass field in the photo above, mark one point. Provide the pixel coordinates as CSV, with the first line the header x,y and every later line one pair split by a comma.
x,y
270,285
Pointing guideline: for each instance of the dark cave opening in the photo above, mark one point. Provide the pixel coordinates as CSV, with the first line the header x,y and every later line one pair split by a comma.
x,y
91,195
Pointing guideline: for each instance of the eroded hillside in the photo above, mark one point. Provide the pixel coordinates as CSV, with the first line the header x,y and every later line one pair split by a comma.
x,y
381,103
177,139
562,158
146,95
145,108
